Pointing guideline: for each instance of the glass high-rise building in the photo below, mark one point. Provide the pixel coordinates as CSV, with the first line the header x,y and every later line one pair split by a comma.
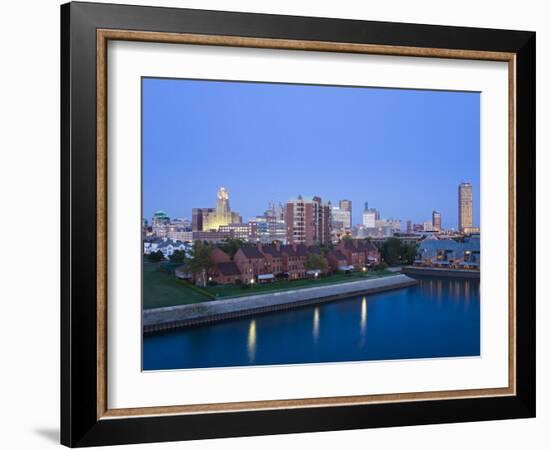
x,y
465,210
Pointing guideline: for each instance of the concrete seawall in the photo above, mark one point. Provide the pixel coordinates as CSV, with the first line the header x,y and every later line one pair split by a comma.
x,y
162,319
440,272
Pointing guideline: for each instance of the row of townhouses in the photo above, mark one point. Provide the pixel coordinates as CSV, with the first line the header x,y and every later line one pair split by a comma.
x,y
266,262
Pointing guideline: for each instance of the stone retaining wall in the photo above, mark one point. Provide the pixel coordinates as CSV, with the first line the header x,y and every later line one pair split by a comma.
x,y
162,319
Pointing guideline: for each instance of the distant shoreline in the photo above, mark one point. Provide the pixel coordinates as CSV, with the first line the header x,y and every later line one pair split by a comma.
x,y
441,272
169,318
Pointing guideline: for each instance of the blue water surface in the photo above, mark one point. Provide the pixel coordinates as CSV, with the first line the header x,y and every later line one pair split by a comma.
x,y
436,318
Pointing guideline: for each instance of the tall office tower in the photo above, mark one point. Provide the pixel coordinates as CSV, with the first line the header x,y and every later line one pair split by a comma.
x,y
308,221
436,220
341,219
370,216
465,214
345,205
409,226
210,219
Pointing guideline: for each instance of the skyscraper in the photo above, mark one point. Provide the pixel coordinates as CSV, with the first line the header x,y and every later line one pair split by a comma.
x,y
436,220
370,216
341,219
308,221
210,219
345,205
465,214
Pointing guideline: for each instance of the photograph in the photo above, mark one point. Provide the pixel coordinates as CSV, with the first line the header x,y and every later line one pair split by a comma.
x,y
292,223
272,223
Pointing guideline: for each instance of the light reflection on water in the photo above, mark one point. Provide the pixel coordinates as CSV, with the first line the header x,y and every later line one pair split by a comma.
x,y
316,324
363,322
251,343
435,318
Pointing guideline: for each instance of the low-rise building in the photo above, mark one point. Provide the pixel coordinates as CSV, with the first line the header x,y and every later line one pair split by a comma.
x,y
245,231
337,261
226,273
294,259
273,258
251,263
212,236
454,253
165,245
359,253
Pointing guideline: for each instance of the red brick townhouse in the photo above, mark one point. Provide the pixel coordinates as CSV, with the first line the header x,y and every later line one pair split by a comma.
x,y
273,257
224,271
359,253
294,258
337,260
251,263
354,253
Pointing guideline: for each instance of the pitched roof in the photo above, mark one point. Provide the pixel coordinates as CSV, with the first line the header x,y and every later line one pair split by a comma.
x,y
271,250
228,268
360,246
314,249
301,250
251,252
371,247
337,254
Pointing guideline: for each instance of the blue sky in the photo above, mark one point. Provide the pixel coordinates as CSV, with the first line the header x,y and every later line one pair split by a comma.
x,y
403,151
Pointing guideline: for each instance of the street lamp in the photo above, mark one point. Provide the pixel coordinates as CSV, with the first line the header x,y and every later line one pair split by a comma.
x,y
252,281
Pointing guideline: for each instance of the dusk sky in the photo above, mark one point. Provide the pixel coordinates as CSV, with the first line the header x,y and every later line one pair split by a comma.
x,y
403,151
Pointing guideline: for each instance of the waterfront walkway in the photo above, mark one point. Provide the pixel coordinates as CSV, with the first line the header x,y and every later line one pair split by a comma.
x,y
161,319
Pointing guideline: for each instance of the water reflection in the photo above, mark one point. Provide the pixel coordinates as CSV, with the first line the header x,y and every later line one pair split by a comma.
x,y
363,322
397,324
251,345
316,325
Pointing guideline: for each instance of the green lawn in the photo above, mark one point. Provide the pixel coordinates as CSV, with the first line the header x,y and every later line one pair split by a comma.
x,y
163,289
231,290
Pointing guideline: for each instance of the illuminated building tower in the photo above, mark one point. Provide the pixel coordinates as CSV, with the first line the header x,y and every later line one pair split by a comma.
x,y
436,220
212,219
465,214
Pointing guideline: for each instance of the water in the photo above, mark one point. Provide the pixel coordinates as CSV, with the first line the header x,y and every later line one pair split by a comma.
x,y
436,318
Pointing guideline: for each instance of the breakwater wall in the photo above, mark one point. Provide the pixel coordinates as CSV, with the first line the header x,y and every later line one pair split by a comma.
x,y
440,272
168,318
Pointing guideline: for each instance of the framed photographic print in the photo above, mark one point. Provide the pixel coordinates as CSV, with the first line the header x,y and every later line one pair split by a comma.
x,y
276,224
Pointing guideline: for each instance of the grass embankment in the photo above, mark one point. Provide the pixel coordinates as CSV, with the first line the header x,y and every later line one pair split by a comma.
x,y
163,289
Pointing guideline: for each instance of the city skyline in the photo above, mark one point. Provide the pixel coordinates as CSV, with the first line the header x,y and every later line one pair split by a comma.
x,y
264,133
212,222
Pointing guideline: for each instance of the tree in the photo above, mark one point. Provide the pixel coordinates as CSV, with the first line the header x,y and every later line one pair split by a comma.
x,y
155,256
231,246
346,237
410,253
392,251
178,256
315,262
201,260
395,252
